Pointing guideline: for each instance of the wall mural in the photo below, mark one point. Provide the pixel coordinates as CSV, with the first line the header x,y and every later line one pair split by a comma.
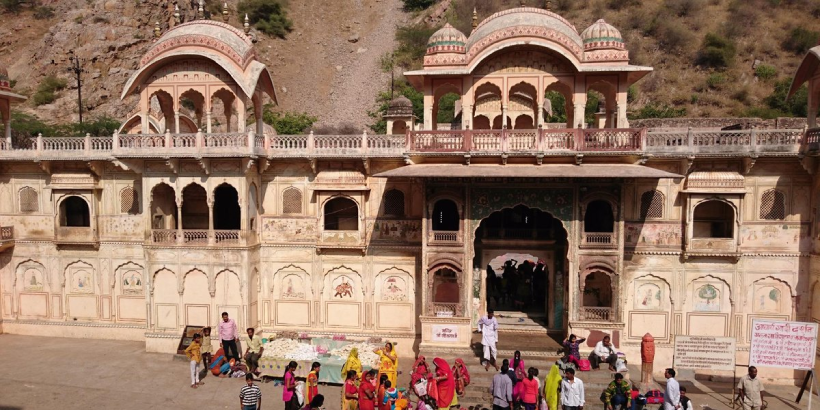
x,y
132,283
293,287
289,230
639,234
556,201
343,287
767,299
780,236
82,282
33,280
707,298
409,231
648,295
394,289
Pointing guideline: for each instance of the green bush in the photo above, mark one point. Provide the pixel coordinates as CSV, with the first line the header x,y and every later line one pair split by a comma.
x,y
97,127
800,40
654,110
287,123
716,51
447,108
43,12
715,81
632,94
26,125
400,87
12,6
683,8
765,72
559,107
412,44
796,106
268,16
414,5
47,90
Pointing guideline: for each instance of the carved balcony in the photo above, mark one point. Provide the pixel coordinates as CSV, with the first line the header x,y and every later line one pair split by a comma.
x,y
444,309
750,141
6,237
445,238
202,237
595,314
603,240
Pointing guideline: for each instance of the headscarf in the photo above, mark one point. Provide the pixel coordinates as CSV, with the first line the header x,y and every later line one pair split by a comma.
x,y
352,363
551,384
464,372
419,373
418,361
446,388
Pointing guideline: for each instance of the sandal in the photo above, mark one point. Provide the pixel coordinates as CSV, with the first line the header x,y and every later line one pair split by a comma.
x,y
200,383
193,386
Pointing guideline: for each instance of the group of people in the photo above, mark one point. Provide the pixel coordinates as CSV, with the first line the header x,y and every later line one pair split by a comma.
x,y
439,387
376,388
225,362
519,285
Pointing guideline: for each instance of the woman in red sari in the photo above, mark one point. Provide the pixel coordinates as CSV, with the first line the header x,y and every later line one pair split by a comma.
x,y
445,385
420,371
461,376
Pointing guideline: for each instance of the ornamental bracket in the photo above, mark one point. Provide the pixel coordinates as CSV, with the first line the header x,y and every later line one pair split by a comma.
x,y
264,164
467,158
366,163
748,164
205,163
173,164
314,164
539,159
579,159
45,166
504,158
808,163
95,167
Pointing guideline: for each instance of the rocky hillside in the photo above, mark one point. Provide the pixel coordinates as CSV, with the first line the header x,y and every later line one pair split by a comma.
x,y
328,66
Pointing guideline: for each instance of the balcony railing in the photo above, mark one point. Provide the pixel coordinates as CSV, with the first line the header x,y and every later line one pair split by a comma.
x,y
596,314
6,237
444,309
202,237
477,142
445,237
598,239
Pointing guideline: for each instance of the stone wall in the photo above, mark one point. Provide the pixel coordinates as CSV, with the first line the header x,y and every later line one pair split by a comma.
x,y
745,123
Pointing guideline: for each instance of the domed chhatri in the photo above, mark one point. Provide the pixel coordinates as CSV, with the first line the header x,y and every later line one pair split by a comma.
x,y
447,40
400,105
602,35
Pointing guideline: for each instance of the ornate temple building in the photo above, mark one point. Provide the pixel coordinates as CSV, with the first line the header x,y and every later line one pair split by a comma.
x,y
192,209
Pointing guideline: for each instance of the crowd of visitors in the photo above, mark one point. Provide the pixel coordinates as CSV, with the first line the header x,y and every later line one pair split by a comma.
x,y
518,285
438,386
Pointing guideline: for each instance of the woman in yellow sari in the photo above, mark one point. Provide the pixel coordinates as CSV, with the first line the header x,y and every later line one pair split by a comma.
x,y
551,384
353,363
388,362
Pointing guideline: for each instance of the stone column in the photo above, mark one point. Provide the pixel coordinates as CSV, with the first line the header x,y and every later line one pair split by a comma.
x,y
208,122
180,238
503,116
811,119
211,237
176,122
467,117
428,117
240,115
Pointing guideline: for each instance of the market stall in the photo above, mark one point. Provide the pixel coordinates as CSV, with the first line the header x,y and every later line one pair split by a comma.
x,y
331,354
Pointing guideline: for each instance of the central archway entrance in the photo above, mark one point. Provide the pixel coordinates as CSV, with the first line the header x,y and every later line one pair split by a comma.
x,y
520,251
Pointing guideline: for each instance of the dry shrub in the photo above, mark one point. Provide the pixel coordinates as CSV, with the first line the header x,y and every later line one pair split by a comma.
x,y
673,36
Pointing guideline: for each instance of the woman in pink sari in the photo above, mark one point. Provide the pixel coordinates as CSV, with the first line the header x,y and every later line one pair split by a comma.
x,y
517,366
445,385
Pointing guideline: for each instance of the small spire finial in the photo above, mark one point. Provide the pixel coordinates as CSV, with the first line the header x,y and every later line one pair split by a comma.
x,y
157,30
522,3
475,18
548,5
201,9
176,14
225,12
247,24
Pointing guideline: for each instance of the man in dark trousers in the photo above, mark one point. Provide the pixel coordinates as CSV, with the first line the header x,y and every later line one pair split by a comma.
x,y
228,334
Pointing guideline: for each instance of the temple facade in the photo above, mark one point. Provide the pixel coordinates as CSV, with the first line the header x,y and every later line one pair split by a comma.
x,y
192,209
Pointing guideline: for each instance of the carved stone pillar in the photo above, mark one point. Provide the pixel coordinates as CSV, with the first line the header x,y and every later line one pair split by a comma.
x,y
210,220
208,122
180,238
176,122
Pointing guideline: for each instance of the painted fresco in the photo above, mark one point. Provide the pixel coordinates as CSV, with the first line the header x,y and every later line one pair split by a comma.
x,y
343,288
706,298
638,234
293,287
82,282
386,230
132,283
289,230
781,236
556,201
767,299
648,295
394,289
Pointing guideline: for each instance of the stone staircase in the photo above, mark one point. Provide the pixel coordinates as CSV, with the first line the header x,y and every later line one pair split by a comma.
x,y
538,350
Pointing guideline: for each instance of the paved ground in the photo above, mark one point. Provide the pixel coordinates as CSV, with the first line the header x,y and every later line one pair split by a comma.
x,y
66,374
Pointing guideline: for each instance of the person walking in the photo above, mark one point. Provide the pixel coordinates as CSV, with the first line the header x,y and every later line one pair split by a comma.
x,y
603,353
671,398
289,389
572,392
254,351
501,389
750,391
193,352
685,402
206,348
618,394
488,327
529,389
250,396
228,335
312,382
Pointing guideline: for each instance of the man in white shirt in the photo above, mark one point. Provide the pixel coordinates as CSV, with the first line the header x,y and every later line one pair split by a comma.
x,y
488,326
671,399
604,352
572,392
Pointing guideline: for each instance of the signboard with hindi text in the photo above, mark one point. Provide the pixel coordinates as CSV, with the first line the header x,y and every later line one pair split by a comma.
x,y
445,333
789,345
705,353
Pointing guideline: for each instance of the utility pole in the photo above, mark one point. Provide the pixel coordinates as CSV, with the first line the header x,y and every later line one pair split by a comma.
x,y
77,69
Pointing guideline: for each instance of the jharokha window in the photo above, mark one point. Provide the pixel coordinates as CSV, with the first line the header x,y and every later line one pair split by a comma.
x,y
445,216
28,200
394,203
652,205
773,205
713,219
341,214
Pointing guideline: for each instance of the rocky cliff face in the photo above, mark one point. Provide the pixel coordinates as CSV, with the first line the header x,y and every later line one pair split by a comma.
x,y
328,66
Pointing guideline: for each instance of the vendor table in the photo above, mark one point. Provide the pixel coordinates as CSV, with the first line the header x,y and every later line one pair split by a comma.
x,y
331,365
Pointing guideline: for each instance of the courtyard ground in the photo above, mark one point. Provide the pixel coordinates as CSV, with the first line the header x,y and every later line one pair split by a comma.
x,y
59,373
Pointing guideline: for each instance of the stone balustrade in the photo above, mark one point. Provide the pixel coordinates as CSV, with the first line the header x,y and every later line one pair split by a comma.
x,y
595,314
475,142
203,237
6,237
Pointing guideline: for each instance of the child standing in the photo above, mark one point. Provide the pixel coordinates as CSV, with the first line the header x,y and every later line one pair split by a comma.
x,y
206,347
195,356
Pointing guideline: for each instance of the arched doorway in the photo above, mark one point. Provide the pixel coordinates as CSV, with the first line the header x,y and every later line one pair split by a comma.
x,y
521,249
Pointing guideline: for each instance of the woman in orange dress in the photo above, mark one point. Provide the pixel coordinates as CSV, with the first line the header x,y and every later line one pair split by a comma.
x,y
312,384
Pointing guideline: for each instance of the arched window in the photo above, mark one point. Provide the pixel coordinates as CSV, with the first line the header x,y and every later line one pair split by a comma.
x,y
445,286
28,200
652,204
773,205
445,216
195,207
227,213
128,201
292,201
713,219
341,214
599,217
74,212
394,203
